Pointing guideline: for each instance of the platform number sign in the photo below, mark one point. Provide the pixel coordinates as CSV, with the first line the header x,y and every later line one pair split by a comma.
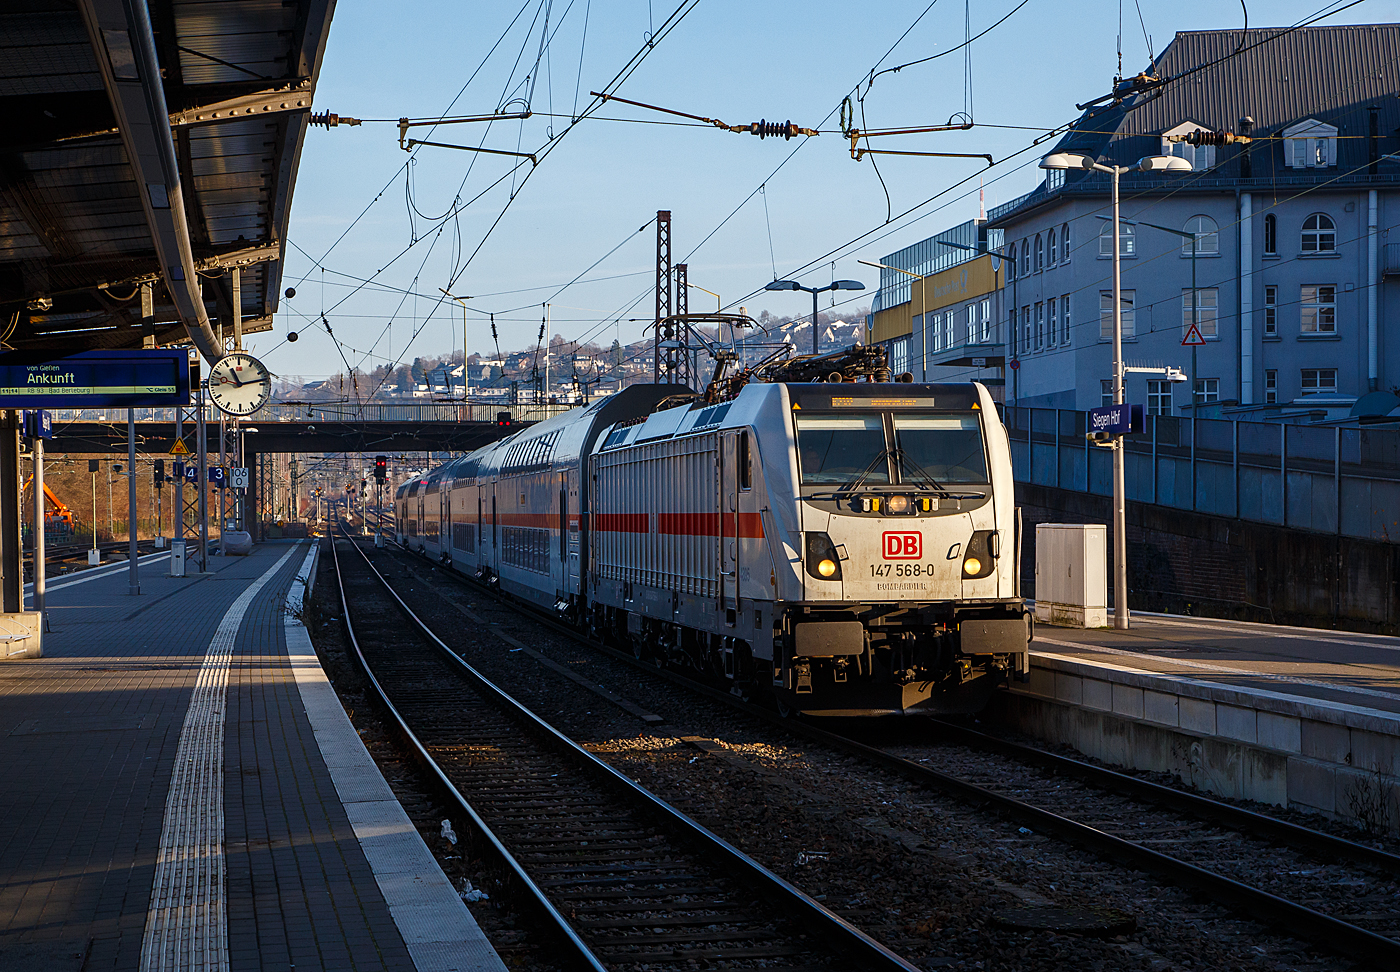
x,y
238,477
218,476
191,473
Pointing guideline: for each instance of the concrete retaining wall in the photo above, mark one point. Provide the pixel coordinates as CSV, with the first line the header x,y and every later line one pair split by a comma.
x,y
1181,562
1251,744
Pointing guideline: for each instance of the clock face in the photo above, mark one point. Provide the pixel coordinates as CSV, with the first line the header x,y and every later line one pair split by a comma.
x,y
239,384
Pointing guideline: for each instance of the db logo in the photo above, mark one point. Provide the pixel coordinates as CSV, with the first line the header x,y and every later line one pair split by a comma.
x,y
903,546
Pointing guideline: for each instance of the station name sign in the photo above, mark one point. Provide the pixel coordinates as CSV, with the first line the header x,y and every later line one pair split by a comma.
x,y
1117,419
95,379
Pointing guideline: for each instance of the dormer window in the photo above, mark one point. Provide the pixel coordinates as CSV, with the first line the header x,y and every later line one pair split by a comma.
x,y
1201,157
1310,144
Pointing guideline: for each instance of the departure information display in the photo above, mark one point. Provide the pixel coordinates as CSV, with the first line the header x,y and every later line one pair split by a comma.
x,y
95,379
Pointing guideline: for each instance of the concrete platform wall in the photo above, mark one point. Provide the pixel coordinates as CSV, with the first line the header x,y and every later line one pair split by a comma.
x,y
1181,562
1250,744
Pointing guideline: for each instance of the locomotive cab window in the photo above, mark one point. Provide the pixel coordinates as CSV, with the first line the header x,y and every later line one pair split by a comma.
x,y
944,448
745,462
836,449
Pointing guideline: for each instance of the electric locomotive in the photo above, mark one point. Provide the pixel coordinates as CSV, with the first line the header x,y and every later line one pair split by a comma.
x,y
849,548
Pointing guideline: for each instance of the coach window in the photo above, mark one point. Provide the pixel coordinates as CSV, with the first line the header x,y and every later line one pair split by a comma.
x,y
745,462
940,449
839,449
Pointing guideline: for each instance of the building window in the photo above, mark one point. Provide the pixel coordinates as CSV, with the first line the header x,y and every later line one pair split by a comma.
x,y
1270,386
1318,303
1106,392
1319,381
1207,390
971,324
1159,396
1025,258
1127,241
899,355
1053,316
1205,317
1054,179
1064,243
1026,328
1319,234
1039,325
936,326
1270,311
1064,319
949,323
1010,264
1310,144
986,320
1052,250
1039,253
1271,235
1207,236
1106,314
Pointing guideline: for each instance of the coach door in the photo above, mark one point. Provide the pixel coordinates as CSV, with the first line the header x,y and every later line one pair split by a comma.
x,y
729,523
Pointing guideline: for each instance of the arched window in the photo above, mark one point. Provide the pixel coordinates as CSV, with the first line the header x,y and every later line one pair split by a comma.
x,y
1064,243
1025,257
1010,264
1127,240
1052,250
1271,234
1319,234
1039,253
1207,236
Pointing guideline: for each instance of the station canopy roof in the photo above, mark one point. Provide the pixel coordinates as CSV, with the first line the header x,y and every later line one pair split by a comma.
x,y
151,146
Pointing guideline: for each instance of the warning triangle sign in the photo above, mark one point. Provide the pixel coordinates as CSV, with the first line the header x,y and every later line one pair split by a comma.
x,y
1193,337
178,448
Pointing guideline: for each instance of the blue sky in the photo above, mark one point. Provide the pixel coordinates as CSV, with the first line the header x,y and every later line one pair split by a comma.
x,y
603,180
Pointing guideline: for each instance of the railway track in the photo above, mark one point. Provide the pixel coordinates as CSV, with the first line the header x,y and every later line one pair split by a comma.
x,y
624,879
1336,893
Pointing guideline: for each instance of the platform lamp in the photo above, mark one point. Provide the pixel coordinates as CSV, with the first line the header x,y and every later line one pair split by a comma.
x,y
834,285
1152,163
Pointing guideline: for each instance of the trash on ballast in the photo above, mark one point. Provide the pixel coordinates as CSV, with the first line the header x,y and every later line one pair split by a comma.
x,y
471,894
448,834
808,857
1025,830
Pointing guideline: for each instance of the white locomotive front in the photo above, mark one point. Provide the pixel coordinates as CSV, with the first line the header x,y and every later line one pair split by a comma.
x,y
849,548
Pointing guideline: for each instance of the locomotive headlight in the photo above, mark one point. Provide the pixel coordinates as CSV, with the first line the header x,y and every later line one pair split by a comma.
x,y
972,566
897,504
823,559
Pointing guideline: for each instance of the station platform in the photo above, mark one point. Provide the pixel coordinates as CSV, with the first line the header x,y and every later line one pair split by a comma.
x,y
183,790
1294,717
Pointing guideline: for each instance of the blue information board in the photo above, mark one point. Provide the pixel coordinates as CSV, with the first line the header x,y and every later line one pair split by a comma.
x,y
95,379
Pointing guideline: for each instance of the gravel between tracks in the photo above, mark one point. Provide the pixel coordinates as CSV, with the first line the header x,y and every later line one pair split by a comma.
x,y
917,870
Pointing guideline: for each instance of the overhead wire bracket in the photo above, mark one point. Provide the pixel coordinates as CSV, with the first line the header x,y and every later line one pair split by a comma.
x,y
856,134
762,128
407,144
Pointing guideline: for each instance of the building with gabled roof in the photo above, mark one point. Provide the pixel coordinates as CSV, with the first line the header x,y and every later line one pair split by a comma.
x,y
1296,274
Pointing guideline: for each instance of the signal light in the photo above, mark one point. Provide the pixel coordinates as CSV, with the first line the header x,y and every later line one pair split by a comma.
x,y
381,468
503,419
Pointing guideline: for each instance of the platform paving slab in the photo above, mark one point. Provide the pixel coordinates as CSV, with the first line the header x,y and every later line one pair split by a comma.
x,y
89,736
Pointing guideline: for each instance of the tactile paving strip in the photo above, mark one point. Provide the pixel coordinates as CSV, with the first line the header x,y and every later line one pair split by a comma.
x,y
187,925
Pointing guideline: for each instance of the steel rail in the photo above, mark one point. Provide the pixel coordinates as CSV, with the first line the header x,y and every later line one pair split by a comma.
x,y
1295,919
534,894
1316,842
836,931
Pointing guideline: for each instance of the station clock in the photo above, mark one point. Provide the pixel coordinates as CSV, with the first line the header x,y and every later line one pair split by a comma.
x,y
239,384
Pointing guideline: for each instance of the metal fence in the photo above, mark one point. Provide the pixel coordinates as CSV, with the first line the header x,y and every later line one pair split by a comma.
x,y
1325,479
333,412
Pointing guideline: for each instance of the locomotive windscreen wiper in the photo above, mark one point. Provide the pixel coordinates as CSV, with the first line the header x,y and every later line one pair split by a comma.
x,y
901,460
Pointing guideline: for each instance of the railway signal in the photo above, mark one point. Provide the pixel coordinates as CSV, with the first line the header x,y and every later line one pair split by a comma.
x,y
158,473
381,468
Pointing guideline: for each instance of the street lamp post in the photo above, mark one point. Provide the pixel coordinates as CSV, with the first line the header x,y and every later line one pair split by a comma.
x,y
1153,163
923,312
834,285
1011,327
466,374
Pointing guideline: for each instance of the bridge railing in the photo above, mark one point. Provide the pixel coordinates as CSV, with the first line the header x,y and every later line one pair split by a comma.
x,y
428,412
1344,481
